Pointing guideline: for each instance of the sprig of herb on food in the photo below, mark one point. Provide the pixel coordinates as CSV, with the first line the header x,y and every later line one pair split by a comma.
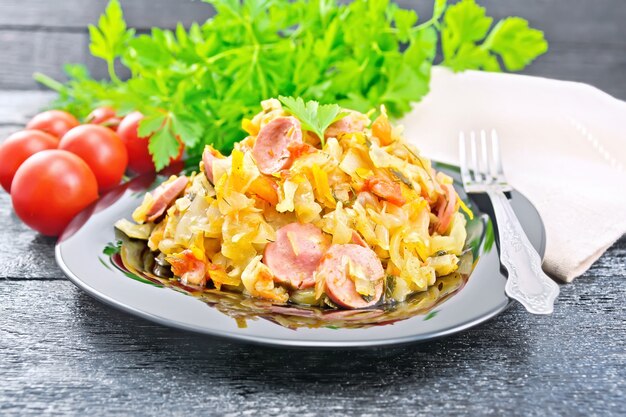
x,y
314,117
196,84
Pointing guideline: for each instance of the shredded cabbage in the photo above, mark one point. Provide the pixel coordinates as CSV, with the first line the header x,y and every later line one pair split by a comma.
x,y
227,226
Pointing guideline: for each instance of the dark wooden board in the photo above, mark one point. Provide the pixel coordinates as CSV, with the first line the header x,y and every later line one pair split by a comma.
x,y
562,20
75,15
588,42
25,255
16,107
23,53
62,352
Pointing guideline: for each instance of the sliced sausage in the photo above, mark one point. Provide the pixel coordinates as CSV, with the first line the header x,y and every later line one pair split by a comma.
x,y
192,271
295,254
386,189
164,195
365,198
271,149
348,124
208,156
446,207
339,286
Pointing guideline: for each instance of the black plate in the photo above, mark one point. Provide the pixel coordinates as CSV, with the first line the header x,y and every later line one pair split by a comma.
x,y
83,255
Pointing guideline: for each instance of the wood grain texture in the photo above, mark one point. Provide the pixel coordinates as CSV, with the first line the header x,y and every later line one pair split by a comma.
x,y
80,356
25,254
38,35
23,53
75,15
17,107
602,67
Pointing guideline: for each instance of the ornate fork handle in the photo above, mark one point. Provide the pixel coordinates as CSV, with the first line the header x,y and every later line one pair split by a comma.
x,y
526,283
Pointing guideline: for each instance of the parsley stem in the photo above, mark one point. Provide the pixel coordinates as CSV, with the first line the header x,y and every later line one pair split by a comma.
x,y
49,82
111,70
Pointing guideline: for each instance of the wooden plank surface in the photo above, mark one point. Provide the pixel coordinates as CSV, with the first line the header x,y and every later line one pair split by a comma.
x,y
39,35
80,356
16,107
75,15
563,20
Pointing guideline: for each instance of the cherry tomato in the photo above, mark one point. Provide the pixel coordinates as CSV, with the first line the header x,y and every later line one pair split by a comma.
x,y
50,188
105,116
139,158
17,148
102,149
55,122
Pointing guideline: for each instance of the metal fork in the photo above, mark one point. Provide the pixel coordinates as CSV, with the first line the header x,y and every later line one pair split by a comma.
x,y
526,282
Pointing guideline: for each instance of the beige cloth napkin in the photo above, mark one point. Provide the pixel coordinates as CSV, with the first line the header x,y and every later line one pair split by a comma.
x,y
563,146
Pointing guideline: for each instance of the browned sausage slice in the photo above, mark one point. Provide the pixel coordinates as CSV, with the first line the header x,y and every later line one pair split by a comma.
x,y
164,195
347,124
271,149
208,156
446,208
295,254
340,287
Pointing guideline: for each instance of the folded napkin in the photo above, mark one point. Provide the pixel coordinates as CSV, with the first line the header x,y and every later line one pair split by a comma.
x,y
563,146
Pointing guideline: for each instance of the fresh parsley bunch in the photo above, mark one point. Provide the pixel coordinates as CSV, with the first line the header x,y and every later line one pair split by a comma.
x,y
197,83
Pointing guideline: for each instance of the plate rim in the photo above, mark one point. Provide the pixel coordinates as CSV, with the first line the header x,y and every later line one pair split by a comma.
x,y
276,342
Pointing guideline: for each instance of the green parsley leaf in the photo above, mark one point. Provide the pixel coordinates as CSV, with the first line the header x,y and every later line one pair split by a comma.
x,y
187,128
516,43
163,146
405,20
439,8
202,80
465,23
314,117
467,42
112,248
150,124
110,37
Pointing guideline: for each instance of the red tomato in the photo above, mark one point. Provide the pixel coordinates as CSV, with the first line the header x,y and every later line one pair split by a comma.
x,y
55,122
105,116
139,158
17,148
50,188
102,149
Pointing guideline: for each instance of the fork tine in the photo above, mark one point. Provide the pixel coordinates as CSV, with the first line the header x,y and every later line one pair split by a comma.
x,y
465,174
485,165
481,162
474,162
495,146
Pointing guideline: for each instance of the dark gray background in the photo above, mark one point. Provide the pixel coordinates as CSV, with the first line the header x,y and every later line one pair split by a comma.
x,y
63,353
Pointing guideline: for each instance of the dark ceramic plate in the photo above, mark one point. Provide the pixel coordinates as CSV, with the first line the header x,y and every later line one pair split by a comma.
x,y
89,254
